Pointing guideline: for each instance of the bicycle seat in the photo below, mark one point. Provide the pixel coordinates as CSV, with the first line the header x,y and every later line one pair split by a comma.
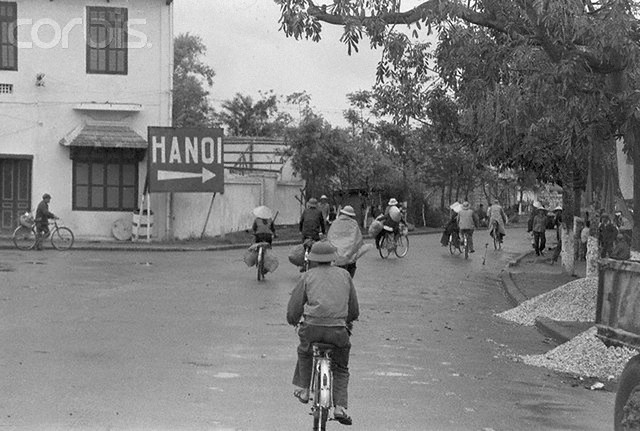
x,y
388,228
323,347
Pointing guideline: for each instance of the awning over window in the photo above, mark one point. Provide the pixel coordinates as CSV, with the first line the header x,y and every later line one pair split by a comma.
x,y
104,136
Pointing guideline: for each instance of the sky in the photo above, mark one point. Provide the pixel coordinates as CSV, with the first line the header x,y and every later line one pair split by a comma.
x,y
249,54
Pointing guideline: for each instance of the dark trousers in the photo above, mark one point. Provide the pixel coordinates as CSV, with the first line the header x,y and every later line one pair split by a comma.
x,y
339,337
469,234
350,267
42,231
263,237
539,242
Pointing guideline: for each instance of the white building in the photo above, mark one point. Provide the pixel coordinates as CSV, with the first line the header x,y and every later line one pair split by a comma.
x,y
80,82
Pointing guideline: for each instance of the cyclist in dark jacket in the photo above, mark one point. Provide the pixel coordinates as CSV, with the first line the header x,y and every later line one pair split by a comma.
x,y
312,221
42,220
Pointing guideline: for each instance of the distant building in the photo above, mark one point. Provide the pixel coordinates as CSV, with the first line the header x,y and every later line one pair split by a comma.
x,y
80,82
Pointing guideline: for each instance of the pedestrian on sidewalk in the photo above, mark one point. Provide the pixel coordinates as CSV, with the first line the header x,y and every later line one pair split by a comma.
x,y
539,226
621,249
557,223
584,238
607,233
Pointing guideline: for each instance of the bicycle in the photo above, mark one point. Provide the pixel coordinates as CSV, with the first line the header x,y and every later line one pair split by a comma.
x,y
260,249
399,244
454,243
307,244
465,242
495,234
321,387
25,237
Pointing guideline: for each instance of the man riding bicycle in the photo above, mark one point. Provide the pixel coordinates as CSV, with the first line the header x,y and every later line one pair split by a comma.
x,y
326,301
312,222
467,222
390,220
263,227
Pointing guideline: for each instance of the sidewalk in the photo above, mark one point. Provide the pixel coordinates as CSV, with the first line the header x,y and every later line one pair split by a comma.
x,y
529,276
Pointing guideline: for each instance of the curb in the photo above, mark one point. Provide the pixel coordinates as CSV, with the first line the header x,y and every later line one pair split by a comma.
x,y
559,330
511,290
168,247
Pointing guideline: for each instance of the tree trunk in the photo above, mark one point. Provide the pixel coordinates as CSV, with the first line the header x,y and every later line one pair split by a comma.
x,y
593,254
567,254
635,154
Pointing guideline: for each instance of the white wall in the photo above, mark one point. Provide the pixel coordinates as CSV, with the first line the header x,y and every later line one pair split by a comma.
x,y
231,211
34,119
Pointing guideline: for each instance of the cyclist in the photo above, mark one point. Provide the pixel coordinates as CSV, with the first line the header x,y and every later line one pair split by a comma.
x,y
263,227
42,220
391,219
496,213
312,223
467,222
326,301
325,209
345,235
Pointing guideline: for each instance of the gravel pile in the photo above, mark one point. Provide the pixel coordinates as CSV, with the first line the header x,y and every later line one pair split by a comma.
x,y
584,355
575,300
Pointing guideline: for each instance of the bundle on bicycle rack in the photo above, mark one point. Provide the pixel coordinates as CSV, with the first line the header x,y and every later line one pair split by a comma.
x,y
27,220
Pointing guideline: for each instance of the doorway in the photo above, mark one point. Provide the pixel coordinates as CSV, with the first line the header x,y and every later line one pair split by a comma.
x,y
15,189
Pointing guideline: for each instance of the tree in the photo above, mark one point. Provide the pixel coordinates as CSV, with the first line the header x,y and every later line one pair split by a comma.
x,y
317,152
244,117
592,40
191,77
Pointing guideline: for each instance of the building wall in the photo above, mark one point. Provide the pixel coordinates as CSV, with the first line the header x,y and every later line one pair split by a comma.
x,y
231,211
34,119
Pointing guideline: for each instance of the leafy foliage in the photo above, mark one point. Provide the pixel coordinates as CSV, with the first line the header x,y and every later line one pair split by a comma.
x,y
191,77
244,117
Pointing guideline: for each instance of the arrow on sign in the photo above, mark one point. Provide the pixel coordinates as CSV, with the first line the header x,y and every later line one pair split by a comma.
x,y
206,175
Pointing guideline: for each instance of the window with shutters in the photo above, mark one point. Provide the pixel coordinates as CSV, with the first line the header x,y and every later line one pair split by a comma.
x,y
107,40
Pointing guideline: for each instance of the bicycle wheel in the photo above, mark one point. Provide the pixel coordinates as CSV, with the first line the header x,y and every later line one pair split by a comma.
x,y
402,246
466,246
24,238
496,242
384,247
62,238
260,264
453,249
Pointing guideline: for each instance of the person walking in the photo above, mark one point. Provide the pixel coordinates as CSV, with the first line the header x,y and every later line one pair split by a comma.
x,y
42,220
557,223
467,222
496,213
324,304
539,226
607,233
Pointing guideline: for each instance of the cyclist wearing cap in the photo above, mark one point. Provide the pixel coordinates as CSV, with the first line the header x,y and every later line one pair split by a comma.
x,y
42,219
345,235
325,300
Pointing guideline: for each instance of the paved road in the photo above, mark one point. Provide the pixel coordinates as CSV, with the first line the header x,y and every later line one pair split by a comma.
x,y
190,341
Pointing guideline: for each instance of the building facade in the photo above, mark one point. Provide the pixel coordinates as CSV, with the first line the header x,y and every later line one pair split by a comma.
x,y
80,82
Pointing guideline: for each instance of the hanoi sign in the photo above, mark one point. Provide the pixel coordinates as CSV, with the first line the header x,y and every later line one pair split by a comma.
x,y
185,160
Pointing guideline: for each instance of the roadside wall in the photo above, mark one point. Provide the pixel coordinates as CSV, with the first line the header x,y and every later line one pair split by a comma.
x,y
232,211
